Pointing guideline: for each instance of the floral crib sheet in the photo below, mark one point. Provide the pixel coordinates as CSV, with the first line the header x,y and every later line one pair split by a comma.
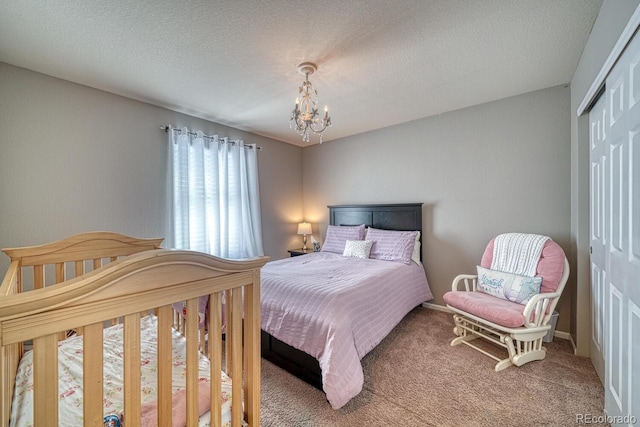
x,y
70,377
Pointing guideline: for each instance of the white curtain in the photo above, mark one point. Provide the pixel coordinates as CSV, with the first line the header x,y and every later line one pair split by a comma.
x,y
214,202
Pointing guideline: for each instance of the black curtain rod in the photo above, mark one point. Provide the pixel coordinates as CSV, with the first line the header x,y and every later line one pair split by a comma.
x,y
166,129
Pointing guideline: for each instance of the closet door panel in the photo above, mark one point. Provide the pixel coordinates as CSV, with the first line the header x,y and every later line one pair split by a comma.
x,y
598,205
622,226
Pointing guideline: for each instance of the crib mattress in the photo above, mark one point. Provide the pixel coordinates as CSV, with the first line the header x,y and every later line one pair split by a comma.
x,y
70,377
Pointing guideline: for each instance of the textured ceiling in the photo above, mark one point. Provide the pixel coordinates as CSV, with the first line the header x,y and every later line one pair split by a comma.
x,y
234,62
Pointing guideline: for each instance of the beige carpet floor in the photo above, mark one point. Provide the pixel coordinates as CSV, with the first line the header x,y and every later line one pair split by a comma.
x,y
415,378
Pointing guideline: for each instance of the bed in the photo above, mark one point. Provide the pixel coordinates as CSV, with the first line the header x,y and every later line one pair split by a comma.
x,y
104,297
322,312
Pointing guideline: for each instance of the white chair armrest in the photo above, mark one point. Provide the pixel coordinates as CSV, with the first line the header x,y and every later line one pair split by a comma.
x,y
536,309
469,280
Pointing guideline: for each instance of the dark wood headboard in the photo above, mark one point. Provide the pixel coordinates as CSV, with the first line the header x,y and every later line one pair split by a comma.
x,y
402,217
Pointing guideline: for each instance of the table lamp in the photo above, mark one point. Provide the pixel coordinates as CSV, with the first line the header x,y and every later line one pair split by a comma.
x,y
304,228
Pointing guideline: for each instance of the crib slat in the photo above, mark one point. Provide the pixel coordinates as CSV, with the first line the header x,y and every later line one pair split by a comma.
x,y
38,276
92,375
165,318
9,360
45,381
97,263
60,276
228,332
215,357
236,357
192,362
79,271
131,338
79,268
252,352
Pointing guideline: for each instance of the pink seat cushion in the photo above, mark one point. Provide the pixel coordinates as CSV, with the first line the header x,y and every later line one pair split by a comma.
x,y
503,312
485,306
550,267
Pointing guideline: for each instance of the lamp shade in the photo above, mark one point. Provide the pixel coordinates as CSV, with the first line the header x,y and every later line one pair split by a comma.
x,y
304,228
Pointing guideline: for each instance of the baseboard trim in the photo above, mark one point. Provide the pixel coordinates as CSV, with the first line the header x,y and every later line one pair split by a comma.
x,y
436,307
557,334
573,343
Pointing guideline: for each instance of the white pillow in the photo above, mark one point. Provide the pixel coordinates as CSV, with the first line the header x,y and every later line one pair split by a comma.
x,y
415,257
509,286
357,248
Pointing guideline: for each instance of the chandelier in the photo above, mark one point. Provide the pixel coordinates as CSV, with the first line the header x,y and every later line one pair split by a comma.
x,y
304,117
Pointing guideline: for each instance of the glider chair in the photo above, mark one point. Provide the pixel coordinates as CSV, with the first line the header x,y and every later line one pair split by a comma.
x,y
511,299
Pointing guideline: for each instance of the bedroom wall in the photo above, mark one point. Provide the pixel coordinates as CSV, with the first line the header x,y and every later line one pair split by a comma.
x,y
480,171
612,19
76,159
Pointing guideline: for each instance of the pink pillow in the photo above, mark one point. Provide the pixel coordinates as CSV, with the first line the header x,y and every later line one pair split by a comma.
x,y
550,267
392,245
178,407
337,236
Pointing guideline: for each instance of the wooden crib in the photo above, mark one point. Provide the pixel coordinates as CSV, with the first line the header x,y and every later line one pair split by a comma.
x,y
81,284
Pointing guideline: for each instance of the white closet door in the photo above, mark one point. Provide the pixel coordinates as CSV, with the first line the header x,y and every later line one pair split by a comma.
x,y
598,162
622,243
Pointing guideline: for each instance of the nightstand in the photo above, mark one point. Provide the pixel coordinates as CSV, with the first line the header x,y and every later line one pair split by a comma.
x,y
298,252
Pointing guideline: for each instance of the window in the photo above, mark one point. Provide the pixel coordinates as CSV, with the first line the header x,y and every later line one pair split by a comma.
x,y
214,201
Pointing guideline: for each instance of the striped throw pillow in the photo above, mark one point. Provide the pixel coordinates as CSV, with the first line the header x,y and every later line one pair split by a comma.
x,y
337,236
392,245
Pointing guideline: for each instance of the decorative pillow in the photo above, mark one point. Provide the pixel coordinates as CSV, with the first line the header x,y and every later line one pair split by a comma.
x,y
415,257
392,245
512,287
337,236
357,248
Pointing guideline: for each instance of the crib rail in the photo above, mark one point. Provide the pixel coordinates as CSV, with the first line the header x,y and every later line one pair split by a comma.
x,y
149,281
68,258
85,246
35,267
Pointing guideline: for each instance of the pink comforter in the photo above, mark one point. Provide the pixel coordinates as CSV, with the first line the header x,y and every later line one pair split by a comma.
x,y
337,309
